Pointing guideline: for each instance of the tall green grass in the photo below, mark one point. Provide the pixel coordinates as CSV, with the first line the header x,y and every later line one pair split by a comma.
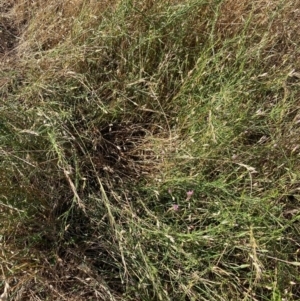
x,y
149,151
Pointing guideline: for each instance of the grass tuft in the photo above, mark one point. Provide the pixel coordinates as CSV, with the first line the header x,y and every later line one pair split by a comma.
x,y
149,150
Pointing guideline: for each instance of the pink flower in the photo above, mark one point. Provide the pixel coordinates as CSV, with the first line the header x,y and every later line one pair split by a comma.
x,y
189,194
175,207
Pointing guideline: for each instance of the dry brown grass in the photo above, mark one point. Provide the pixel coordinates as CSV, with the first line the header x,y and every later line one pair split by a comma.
x,y
276,34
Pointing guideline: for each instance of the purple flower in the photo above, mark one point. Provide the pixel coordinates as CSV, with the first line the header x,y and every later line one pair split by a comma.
x,y
189,194
175,207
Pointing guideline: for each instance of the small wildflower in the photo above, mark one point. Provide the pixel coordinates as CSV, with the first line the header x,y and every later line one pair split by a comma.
x,y
175,207
189,194
170,191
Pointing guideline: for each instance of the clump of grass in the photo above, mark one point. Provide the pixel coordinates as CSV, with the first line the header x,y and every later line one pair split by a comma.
x,y
149,151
